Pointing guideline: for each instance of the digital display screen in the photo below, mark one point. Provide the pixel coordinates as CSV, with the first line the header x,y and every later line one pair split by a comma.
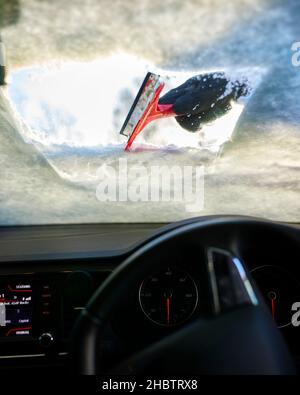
x,y
15,309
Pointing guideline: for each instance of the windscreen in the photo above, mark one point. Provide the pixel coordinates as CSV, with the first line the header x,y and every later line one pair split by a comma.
x,y
217,132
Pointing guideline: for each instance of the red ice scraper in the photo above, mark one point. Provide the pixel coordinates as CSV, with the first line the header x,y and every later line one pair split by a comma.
x,y
199,100
145,108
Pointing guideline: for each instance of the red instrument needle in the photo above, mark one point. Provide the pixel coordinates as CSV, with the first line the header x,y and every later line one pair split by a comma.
x,y
168,310
272,296
273,308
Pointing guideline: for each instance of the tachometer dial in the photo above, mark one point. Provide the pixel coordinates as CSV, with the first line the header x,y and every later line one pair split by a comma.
x,y
169,297
280,290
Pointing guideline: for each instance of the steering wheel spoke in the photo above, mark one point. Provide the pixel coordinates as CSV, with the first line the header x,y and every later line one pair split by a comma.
x,y
229,281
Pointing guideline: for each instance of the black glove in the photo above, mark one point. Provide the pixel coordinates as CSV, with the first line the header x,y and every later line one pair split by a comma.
x,y
203,99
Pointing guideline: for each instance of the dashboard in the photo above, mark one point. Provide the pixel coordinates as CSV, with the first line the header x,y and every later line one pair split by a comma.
x,y
43,292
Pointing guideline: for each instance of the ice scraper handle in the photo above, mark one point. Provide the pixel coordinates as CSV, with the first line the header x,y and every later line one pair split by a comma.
x,y
154,111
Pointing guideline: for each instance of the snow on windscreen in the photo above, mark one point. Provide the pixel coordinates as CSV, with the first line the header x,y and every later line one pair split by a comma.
x,y
74,111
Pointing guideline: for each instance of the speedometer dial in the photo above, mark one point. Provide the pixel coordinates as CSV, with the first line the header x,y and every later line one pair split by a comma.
x,y
169,297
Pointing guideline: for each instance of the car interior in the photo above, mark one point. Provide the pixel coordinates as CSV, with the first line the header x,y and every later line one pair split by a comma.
x,y
89,297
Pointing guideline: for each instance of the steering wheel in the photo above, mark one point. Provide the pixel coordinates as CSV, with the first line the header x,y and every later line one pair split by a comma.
x,y
239,337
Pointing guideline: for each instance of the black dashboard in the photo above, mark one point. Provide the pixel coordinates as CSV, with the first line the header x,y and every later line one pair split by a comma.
x,y
48,274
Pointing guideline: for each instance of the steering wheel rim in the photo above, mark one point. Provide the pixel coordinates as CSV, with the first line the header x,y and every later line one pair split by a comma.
x,y
105,301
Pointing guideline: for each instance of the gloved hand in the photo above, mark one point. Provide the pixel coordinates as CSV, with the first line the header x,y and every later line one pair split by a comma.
x,y
204,98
